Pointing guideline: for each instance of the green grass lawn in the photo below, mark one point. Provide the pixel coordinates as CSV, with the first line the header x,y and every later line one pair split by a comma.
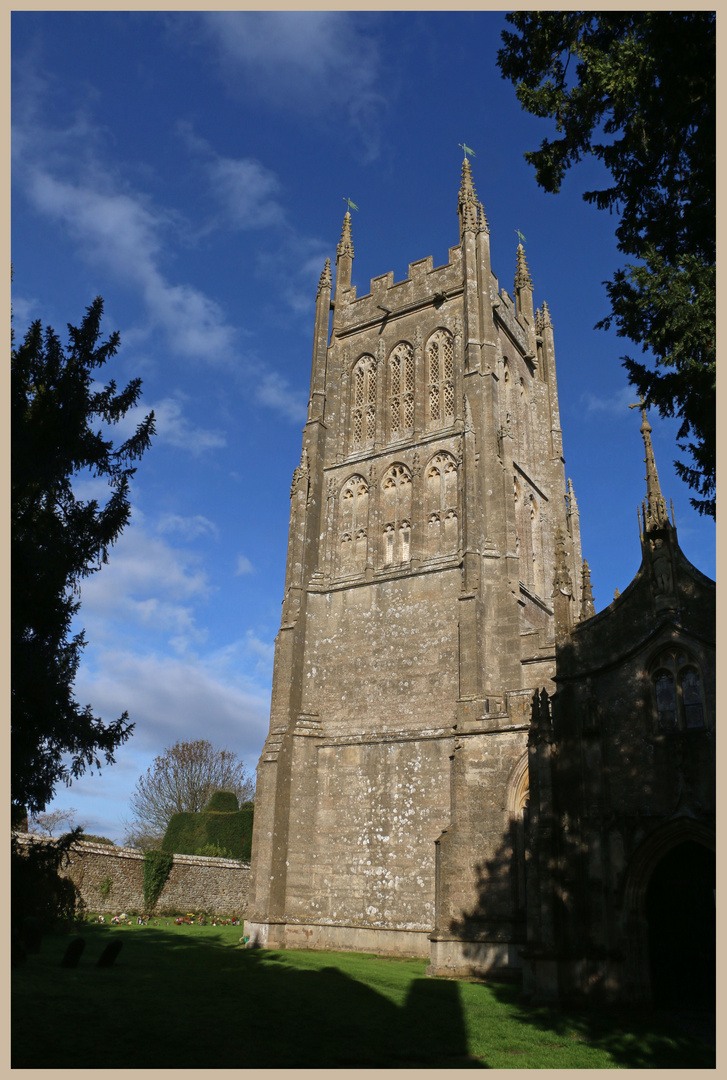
x,y
191,997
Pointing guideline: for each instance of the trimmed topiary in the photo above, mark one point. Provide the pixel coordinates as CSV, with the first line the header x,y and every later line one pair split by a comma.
x,y
223,802
221,826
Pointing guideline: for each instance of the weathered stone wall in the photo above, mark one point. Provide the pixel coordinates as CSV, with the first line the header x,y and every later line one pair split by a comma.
x,y
195,883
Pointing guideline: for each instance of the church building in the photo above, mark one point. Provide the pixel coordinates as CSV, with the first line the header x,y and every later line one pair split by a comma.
x,y
434,572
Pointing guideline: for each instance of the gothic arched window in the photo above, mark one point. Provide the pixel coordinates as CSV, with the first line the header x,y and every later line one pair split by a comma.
x,y
677,691
401,389
363,405
440,379
396,513
441,505
354,511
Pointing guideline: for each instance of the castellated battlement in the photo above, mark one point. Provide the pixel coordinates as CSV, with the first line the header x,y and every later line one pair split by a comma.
x,y
422,286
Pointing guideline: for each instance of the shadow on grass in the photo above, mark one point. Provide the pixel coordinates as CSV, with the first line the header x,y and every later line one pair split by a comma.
x,y
186,1001
635,1037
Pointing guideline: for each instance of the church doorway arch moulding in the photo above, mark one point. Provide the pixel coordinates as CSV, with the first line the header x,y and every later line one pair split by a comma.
x,y
673,852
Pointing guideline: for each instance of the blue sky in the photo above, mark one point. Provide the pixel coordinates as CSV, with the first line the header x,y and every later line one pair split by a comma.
x,y
191,169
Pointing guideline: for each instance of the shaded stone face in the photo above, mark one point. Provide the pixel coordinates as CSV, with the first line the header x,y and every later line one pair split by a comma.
x,y
417,612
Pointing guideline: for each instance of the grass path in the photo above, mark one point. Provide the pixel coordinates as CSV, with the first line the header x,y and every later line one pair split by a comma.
x,y
190,997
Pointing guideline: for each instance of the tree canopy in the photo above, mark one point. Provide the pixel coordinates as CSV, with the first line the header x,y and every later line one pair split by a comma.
x,y
57,412
183,778
636,89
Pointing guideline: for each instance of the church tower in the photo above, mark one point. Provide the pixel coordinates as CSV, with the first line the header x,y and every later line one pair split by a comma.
x,y
428,512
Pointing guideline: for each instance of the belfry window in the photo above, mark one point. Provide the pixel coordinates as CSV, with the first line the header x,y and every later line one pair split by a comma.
x,y
677,691
401,389
440,379
363,410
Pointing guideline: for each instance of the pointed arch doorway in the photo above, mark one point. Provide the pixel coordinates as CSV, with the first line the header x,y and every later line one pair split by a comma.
x,y
681,919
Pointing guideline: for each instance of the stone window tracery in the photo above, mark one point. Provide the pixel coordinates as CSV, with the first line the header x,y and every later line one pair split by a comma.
x,y
396,509
677,689
441,505
401,397
440,379
363,409
354,511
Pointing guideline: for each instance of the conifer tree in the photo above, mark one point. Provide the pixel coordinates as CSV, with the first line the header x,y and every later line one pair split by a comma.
x,y
637,90
58,411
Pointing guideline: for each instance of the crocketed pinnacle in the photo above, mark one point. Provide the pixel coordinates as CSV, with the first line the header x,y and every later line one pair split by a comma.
x,y
561,578
325,281
482,224
587,606
345,245
522,274
572,504
655,513
545,316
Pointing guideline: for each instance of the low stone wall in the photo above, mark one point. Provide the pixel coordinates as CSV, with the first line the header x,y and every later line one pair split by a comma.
x,y
195,882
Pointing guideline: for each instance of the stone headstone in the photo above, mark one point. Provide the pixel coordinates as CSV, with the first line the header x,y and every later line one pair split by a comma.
x,y
73,953
109,954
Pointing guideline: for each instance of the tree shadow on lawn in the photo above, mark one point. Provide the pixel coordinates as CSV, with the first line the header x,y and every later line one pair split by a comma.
x,y
636,1037
181,1001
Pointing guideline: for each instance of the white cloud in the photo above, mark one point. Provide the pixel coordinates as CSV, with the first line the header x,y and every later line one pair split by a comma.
x,y
244,566
122,232
147,583
170,699
188,527
125,233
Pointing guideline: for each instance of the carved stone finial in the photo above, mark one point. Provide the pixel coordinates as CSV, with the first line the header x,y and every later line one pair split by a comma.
x,y
467,193
522,274
545,317
467,204
325,279
616,594
587,606
345,244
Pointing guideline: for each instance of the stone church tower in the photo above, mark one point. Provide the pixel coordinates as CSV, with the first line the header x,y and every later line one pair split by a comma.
x,y
428,516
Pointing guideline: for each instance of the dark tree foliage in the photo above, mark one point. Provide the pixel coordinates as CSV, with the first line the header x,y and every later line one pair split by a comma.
x,y
637,90
57,409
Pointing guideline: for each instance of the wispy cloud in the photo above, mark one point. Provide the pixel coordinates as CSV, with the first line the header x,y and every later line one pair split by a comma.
x,y
244,566
273,390
611,404
122,232
245,190
188,527
305,62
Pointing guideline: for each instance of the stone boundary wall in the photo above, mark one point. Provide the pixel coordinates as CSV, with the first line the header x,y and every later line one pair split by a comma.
x,y
195,883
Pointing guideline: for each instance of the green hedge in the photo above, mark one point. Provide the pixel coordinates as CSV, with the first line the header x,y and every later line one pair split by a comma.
x,y
190,833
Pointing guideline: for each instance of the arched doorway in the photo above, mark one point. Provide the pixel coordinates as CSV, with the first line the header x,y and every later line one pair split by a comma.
x,y
680,914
